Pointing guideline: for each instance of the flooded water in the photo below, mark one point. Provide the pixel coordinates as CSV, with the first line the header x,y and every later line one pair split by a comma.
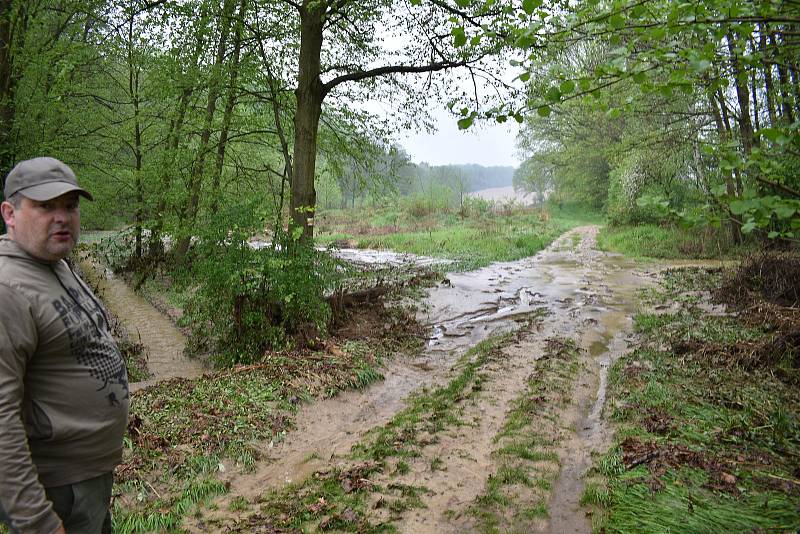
x,y
583,294
504,194
586,295
164,344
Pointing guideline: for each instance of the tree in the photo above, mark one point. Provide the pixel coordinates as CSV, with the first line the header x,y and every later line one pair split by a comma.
x,y
354,23
723,57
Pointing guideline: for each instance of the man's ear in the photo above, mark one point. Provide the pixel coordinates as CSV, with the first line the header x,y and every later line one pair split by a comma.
x,y
7,210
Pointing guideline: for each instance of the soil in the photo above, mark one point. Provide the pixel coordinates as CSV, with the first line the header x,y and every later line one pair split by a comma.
x,y
584,294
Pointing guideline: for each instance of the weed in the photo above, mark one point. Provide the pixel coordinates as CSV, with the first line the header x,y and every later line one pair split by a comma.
x,y
706,442
437,464
402,468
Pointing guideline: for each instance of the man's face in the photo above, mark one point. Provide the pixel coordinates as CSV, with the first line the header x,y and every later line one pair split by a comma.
x,y
47,230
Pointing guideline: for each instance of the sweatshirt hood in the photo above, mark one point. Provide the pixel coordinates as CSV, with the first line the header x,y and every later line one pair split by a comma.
x,y
10,248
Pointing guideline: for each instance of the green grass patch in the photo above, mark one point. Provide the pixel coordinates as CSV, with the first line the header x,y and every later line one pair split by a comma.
x,y
430,412
706,440
668,242
471,241
517,493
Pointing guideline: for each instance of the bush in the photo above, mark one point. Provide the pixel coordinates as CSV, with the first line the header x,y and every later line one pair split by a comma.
x,y
251,301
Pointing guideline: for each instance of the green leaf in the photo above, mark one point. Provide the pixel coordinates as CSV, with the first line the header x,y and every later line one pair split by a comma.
x,y
463,3
773,234
616,21
543,111
465,123
529,6
553,95
525,76
739,207
501,118
566,87
784,212
459,37
748,227
719,191
700,65
585,84
518,117
640,77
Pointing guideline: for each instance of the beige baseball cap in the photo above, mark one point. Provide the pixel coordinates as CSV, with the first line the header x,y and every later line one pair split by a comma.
x,y
42,179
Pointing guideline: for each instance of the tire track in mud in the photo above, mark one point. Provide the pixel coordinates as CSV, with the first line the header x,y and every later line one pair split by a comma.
x,y
597,315
590,297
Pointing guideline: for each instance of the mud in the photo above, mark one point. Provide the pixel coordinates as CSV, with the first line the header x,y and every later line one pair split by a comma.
x,y
163,343
588,296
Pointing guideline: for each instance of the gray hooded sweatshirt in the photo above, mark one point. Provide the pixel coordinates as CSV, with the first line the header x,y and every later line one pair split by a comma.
x,y
63,386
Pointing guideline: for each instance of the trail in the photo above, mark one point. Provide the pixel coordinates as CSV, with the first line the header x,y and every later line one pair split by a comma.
x,y
163,342
589,297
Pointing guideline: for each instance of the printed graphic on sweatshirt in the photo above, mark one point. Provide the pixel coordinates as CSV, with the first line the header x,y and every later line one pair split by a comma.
x,y
91,344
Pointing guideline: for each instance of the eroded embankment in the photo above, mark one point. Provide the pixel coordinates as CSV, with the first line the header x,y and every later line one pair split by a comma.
x,y
586,297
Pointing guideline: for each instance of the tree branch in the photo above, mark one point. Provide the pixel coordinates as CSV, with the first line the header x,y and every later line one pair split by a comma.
x,y
393,69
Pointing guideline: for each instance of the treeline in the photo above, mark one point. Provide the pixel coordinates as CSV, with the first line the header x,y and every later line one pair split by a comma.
x,y
395,177
658,109
176,111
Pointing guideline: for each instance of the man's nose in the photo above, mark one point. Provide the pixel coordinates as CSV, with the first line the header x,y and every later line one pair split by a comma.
x,y
61,215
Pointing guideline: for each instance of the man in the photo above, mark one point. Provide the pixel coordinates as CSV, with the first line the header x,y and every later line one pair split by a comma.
x,y
63,385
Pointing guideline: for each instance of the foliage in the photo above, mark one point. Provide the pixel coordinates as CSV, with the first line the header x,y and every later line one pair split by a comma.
x,y
666,241
679,97
253,299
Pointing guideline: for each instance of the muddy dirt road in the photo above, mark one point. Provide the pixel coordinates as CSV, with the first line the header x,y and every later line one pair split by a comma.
x,y
583,295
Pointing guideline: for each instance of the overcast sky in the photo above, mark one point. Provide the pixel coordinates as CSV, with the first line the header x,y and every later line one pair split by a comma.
x,y
484,145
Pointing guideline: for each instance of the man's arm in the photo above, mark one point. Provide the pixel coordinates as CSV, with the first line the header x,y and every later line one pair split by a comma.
x,y
22,497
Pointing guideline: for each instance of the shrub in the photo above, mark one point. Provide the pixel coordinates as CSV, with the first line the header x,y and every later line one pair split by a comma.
x,y
251,301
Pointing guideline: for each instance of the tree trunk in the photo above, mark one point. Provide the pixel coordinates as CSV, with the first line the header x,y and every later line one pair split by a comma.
x,y
743,96
230,103
198,169
783,77
769,90
734,225
310,94
7,88
133,91
168,169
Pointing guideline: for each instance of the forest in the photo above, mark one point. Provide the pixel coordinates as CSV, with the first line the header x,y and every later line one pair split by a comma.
x,y
357,331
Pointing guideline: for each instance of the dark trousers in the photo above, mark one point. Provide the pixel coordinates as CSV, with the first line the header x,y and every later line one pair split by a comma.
x,y
83,507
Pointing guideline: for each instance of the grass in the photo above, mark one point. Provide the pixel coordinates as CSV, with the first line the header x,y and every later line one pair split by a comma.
x,y
517,493
472,241
703,444
666,242
183,433
326,502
